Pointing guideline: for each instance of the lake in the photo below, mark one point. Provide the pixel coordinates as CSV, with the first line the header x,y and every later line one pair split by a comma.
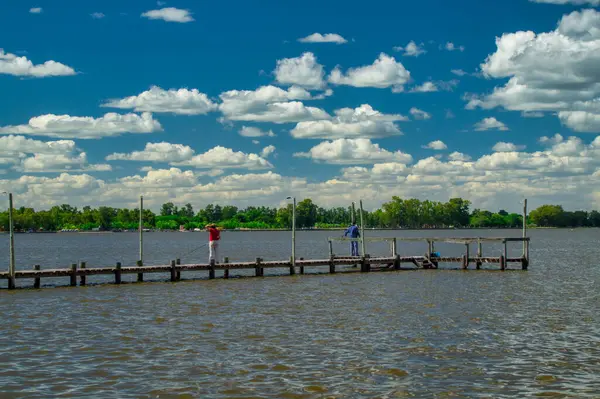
x,y
425,333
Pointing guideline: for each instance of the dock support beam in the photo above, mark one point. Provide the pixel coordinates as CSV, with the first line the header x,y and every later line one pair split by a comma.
x,y
178,262
73,274
36,281
226,271
211,271
173,271
479,254
118,273
292,268
258,269
82,279
140,277
331,264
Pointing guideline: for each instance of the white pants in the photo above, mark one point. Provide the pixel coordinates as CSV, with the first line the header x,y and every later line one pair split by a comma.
x,y
213,248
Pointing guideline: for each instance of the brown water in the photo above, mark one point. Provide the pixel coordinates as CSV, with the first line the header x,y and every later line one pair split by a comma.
x,y
429,334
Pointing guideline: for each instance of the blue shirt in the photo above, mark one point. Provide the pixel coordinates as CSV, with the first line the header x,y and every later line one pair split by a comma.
x,y
353,231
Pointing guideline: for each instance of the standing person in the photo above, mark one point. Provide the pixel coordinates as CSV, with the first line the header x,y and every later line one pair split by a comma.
x,y
354,233
214,235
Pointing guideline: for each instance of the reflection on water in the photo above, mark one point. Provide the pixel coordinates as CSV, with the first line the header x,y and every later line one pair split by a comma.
x,y
445,334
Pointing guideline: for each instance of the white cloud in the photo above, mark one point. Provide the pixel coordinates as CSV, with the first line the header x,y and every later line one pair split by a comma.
x,y
46,163
412,49
362,121
267,151
36,10
162,178
169,14
490,123
156,152
580,121
594,3
507,147
551,71
419,114
97,15
526,114
450,114
383,73
10,64
66,126
251,131
289,112
156,99
326,38
225,158
436,145
452,47
458,72
15,145
353,151
459,157
426,87
302,71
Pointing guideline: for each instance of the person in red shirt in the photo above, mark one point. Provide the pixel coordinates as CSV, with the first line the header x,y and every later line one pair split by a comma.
x,y
214,235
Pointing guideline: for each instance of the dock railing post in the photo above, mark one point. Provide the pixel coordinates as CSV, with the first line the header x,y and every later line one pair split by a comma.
x,y
118,273
73,274
173,271
141,228
362,230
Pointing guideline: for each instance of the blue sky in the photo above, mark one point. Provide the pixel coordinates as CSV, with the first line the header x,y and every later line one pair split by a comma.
x,y
110,51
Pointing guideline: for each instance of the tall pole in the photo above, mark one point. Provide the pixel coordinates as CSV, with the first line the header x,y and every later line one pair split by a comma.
x,y
294,233
353,216
11,228
362,230
524,224
141,228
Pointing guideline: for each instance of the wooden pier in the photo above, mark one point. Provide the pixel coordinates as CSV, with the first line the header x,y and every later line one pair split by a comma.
x,y
364,264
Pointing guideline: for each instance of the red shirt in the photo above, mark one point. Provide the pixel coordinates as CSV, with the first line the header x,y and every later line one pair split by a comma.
x,y
213,234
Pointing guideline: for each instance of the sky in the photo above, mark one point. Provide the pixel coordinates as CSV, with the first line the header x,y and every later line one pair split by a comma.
x,y
247,103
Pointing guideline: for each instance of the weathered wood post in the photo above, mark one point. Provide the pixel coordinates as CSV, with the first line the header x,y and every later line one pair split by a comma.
x,y
118,273
479,253
11,245
258,269
394,250
466,257
82,278
525,259
211,270
73,274
178,262
140,277
226,271
330,247
524,224
365,266
292,268
430,249
173,271
505,254
36,281
141,228
362,230
331,264
502,262
395,254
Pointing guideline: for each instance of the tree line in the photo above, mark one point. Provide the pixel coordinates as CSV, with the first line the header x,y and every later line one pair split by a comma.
x,y
397,213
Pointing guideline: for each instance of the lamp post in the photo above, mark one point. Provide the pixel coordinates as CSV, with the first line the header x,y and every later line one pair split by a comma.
x,y
11,244
293,230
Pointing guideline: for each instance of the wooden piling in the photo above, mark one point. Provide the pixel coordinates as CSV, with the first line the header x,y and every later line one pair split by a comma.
x,y
331,264
118,273
178,262
505,254
292,268
226,271
365,266
479,254
73,274
258,269
502,262
140,277
173,271
397,263
525,259
466,257
330,248
394,247
211,271
36,281
82,277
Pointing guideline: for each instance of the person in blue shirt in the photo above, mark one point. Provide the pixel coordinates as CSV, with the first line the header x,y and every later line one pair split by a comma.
x,y
353,232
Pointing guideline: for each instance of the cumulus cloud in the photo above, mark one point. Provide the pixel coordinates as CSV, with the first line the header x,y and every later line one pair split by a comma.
x,y
46,163
169,14
419,114
452,47
36,10
11,64
66,126
507,147
97,15
426,87
550,71
289,112
303,71
181,101
383,73
459,157
458,72
412,49
594,3
490,123
326,38
362,121
251,131
225,158
156,152
436,145
353,151
267,151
